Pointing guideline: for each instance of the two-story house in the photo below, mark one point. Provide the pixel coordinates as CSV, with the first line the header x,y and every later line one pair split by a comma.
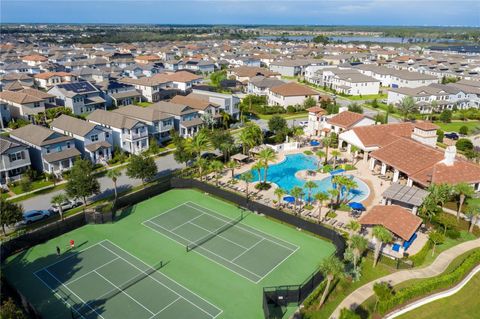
x,y
46,80
154,88
159,124
50,151
227,103
128,134
187,120
14,160
117,94
26,103
93,141
81,97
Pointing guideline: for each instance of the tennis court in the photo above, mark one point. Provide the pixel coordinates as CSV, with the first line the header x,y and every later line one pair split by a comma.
x,y
228,242
111,283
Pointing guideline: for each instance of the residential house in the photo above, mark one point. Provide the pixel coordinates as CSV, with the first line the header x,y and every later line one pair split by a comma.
x,y
117,94
93,141
346,81
159,124
244,74
292,67
81,97
187,120
290,94
48,79
201,66
227,103
184,81
260,85
128,134
15,160
154,88
50,151
26,103
396,78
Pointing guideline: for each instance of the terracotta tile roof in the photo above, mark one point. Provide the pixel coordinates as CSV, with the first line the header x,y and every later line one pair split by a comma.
x,y
426,126
408,155
398,220
439,173
316,110
346,119
35,57
293,89
380,135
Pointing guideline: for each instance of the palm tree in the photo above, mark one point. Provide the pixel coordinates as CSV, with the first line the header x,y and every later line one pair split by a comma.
x,y
226,149
265,156
349,184
463,190
353,152
407,106
217,167
440,193
247,141
199,143
331,268
354,226
247,177
327,142
333,195
231,165
279,192
296,192
358,244
58,200
473,212
114,174
208,119
310,185
340,181
335,154
382,291
320,198
258,167
382,236
201,164
321,155
225,119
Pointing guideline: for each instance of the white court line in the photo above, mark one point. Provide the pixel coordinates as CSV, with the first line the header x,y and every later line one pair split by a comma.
x,y
73,293
88,273
244,228
58,295
218,235
258,242
161,310
207,250
188,221
163,213
281,262
125,293
68,257
155,279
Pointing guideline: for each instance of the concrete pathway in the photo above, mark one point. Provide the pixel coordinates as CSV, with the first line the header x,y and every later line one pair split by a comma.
x,y
438,266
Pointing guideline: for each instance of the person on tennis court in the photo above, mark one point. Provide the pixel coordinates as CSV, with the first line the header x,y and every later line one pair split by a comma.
x,y
72,243
58,251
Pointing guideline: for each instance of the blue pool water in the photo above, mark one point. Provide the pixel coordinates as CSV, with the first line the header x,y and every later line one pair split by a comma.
x,y
283,174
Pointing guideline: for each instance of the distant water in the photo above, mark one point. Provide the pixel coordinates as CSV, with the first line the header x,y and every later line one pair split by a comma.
x,y
361,39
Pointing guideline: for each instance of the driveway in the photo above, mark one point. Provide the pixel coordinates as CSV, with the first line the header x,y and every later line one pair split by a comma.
x,y
165,165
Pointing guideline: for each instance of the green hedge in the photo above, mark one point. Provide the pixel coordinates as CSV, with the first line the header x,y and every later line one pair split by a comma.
x,y
419,257
427,286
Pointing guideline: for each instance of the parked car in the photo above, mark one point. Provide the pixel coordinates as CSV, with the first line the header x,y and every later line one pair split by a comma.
x,y
452,136
34,215
69,204
303,123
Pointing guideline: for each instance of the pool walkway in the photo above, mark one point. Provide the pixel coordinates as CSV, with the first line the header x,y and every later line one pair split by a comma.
x,y
438,266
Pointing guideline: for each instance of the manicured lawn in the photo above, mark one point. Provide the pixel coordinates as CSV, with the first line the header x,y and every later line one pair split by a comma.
x,y
286,116
456,125
143,104
462,305
366,97
40,192
344,287
34,185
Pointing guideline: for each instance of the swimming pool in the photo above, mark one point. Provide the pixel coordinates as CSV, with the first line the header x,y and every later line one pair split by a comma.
x,y
283,174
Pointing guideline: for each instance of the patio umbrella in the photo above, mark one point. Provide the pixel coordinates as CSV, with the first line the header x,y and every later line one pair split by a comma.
x,y
337,171
314,143
356,206
289,199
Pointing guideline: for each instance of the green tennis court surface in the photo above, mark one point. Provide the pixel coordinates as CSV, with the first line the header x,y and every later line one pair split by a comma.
x,y
114,271
244,250
111,283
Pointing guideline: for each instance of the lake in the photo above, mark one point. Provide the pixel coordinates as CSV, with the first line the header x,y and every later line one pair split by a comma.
x,y
360,39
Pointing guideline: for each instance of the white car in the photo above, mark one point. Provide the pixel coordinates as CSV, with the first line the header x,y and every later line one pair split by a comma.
x,y
69,204
33,216
303,123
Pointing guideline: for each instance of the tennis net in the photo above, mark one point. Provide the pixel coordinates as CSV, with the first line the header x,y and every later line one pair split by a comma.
x,y
214,233
89,309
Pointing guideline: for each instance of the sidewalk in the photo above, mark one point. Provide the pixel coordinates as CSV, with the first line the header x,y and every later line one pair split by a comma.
x,y
438,266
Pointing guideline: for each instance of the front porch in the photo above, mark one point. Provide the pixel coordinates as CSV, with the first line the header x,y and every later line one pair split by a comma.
x,y
99,152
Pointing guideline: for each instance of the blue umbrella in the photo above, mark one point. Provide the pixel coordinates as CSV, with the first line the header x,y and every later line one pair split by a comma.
x,y
314,143
356,206
337,171
289,199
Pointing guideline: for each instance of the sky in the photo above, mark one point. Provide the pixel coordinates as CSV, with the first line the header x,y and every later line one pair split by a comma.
x,y
286,12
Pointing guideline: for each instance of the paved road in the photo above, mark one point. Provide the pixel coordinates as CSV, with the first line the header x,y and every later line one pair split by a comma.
x,y
264,123
165,164
438,266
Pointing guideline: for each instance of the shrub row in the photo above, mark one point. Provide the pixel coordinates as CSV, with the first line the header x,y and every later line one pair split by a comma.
x,y
429,285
